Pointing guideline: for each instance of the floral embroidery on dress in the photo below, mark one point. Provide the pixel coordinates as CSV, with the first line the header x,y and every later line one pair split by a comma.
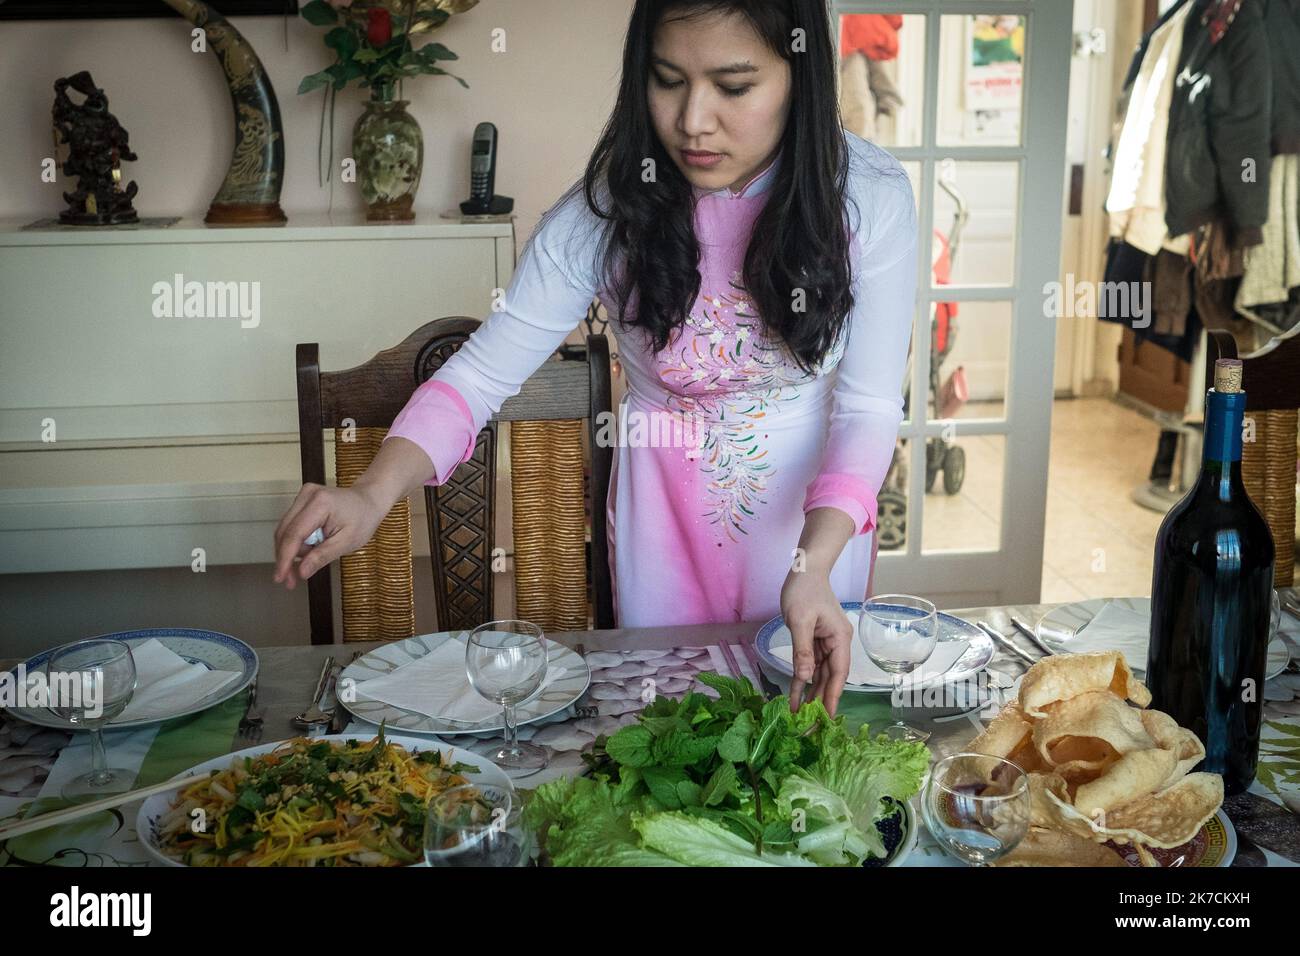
x,y
729,374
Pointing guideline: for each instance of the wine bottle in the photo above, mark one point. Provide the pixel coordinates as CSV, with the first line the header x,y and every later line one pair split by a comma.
x,y
1211,594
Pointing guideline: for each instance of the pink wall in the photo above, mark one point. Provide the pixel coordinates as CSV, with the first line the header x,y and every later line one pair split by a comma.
x,y
548,93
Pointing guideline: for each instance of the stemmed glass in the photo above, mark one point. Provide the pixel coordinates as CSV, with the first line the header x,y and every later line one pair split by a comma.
x,y
976,806
899,633
506,663
475,825
90,683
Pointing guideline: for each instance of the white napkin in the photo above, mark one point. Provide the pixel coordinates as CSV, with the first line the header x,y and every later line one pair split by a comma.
x,y
165,683
438,686
863,671
1115,628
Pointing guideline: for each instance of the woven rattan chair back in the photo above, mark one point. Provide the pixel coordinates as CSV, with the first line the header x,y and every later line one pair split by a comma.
x,y
561,564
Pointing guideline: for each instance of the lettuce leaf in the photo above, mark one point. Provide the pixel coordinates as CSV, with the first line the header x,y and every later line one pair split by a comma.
x,y
838,799
580,822
697,841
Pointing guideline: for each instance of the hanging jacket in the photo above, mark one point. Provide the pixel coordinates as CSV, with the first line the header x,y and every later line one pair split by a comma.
x,y
1135,201
874,35
1220,122
1282,22
1135,64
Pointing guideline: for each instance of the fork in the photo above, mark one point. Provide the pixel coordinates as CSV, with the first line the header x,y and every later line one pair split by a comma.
x,y
250,725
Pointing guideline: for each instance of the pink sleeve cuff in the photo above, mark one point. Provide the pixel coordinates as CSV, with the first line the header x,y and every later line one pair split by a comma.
x,y
437,419
847,493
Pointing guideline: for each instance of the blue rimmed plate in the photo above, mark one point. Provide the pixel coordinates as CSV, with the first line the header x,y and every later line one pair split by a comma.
x,y
775,634
553,701
215,651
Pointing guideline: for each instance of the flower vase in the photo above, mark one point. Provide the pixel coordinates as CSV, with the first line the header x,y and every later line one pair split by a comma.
x,y
389,151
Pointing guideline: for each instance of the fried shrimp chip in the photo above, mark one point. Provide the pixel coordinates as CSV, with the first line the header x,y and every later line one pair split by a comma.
x,y
1047,847
1063,676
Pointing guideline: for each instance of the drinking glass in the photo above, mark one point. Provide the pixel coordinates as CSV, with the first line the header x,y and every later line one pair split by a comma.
x,y
506,663
976,806
475,825
899,633
90,683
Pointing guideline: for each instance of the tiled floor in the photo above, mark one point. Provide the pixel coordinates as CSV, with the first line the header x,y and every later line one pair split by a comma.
x,y
1098,542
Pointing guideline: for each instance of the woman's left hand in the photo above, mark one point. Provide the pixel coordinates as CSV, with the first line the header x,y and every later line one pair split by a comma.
x,y
822,636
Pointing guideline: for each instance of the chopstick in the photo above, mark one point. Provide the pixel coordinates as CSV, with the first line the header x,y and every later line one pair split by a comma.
x,y
32,824
764,681
1029,632
725,647
1005,642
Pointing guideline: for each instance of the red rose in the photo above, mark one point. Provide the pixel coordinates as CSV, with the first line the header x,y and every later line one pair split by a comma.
x,y
379,26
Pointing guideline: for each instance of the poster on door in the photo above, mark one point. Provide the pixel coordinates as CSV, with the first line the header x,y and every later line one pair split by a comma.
x,y
994,62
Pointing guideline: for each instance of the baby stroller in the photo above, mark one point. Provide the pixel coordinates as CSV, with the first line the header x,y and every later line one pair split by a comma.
x,y
942,456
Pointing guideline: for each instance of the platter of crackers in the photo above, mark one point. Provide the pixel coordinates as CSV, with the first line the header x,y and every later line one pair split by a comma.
x,y
1111,780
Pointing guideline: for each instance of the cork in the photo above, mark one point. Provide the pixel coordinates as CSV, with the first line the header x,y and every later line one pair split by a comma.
x,y
1227,376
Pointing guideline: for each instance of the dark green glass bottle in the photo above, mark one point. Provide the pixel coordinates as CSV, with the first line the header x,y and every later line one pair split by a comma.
x,y
1211,594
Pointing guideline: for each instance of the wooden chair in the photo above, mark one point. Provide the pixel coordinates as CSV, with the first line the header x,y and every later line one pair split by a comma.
x,y
1268,464
559,576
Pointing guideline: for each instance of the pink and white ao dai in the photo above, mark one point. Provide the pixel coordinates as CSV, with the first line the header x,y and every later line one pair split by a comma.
x,y
705,529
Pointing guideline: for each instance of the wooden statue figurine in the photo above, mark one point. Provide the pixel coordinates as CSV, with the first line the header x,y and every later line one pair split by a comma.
x,y
97,146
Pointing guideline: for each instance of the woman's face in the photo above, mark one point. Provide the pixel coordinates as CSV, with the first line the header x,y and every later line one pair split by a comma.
x,y
719,98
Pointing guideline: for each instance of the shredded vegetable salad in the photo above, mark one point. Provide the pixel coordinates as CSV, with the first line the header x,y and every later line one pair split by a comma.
x,y
311,802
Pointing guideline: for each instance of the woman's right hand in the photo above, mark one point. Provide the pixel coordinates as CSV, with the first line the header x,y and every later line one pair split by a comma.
x,y
347,516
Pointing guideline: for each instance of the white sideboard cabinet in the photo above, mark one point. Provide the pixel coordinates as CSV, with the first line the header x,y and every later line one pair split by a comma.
x,y
174,422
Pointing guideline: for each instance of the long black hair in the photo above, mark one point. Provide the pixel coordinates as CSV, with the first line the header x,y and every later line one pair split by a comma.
x,y
800,239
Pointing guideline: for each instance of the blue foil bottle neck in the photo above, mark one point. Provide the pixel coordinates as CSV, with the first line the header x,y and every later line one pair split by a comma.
x,y
1224,412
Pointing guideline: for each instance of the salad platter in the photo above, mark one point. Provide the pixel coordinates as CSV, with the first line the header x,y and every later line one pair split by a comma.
x,y
309,801
735,780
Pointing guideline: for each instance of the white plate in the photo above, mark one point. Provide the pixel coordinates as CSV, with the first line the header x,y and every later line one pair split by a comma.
x,y
911,835
979,652
156,806
215,651
1073,617
554,699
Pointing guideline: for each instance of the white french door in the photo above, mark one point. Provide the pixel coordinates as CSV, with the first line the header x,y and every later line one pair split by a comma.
x,y
971,96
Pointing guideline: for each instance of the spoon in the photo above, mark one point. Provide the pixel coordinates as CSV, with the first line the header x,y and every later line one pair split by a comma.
x,y
313,716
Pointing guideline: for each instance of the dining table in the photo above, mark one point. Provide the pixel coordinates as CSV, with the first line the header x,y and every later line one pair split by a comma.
x,y
34,761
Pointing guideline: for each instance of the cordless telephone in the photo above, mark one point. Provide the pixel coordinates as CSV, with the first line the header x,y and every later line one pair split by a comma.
x,y
482,176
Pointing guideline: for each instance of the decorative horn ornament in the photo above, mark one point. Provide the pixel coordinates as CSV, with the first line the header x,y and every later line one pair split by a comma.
x,y
250,194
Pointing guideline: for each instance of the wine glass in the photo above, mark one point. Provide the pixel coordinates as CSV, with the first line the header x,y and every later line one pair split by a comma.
x,y
90,683
976,806
475,825
506,663
899,633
